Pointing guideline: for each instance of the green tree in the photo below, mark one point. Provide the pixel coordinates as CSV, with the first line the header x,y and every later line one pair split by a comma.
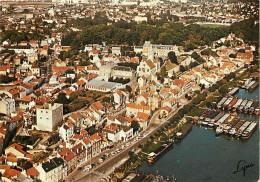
x,y
173,57
62,99
135,125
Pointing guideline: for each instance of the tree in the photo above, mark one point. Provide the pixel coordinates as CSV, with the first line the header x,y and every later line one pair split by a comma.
x,y
128,88
135,125
195,55
173,57
69,71
24,164
62,99
182,68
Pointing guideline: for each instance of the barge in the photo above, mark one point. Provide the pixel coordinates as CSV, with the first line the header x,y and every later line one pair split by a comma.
x,y
184,131
250,129
153,156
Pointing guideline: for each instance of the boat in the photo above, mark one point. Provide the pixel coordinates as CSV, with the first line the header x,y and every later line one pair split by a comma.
x,y
242,128
235,128
221,102
233,91
212,118
253,86
227,102
250,84
248,105
154,155
246,83
237,104
230,125
184,131
250,129
230,106
222,120
254,106
219,129
242,105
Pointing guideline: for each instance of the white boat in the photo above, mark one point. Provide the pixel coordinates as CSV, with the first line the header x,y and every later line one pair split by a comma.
x,y
233,131
219,129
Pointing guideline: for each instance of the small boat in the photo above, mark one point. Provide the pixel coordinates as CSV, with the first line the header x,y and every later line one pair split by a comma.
x,y
219,130
250,129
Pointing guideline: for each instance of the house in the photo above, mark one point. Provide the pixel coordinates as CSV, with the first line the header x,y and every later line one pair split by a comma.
x,y
113,132
119,97
53,170
49,116
7,104
170,103
142,81
146,68
96,142
120,120
33,173
70,158
80,151
66,131
17,150
142,119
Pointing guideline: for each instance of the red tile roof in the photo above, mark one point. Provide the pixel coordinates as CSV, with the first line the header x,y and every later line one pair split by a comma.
x,y
32,172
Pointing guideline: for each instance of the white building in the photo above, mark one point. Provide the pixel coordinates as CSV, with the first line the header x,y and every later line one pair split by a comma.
x,y
53,170
7,105
49,116
102,86
151,50
122,72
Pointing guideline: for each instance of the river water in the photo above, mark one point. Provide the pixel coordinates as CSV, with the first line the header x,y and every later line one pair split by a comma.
x,y
202,156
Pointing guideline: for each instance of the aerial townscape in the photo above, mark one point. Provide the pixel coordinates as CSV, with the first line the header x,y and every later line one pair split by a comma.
x,y
129,90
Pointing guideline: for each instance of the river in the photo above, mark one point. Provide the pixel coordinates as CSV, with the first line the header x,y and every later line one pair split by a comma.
x,y
202,156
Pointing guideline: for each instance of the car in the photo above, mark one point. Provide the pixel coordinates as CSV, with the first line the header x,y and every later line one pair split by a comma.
x,y
79,168
128,144
101,160
107,155
87,170
89,166
123,147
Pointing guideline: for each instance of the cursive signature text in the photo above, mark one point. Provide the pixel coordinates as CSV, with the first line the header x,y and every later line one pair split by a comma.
x,y
242,166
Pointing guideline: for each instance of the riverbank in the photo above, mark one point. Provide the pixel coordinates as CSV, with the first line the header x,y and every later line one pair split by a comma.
x,y
186,114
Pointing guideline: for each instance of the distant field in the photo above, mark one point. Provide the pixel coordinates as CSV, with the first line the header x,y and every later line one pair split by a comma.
x,y
212,25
